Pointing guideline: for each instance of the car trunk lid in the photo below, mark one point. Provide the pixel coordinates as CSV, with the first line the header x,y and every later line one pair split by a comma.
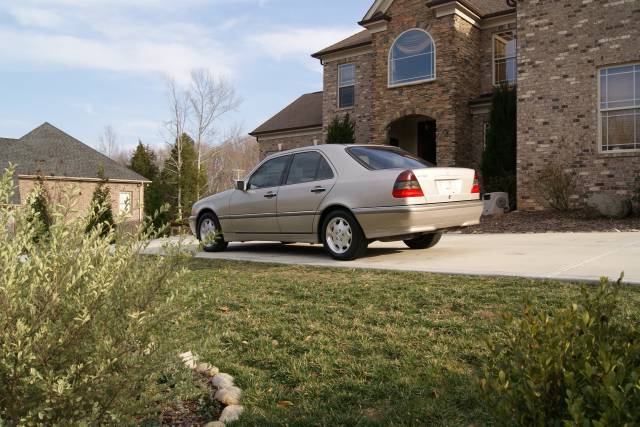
x,y
447,184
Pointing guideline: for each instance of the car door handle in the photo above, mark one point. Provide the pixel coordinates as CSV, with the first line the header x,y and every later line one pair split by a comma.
x,y
270,195
318,190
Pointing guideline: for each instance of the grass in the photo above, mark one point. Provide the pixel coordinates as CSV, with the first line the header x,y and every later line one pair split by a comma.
x,y
353,347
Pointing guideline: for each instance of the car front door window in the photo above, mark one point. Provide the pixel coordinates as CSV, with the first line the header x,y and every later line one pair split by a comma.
x,y
269,174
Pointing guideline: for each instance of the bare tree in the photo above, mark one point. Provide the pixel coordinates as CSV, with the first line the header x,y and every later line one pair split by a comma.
x,y
231,160
108,144
210,98
176,127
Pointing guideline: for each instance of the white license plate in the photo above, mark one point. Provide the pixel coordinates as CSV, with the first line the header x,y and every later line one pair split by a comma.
x,y
449,186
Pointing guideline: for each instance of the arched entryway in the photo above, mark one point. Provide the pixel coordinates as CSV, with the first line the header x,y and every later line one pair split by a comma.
x,y
415,134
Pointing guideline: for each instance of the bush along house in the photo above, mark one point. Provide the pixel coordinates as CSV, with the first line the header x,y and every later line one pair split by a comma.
x,y
421,74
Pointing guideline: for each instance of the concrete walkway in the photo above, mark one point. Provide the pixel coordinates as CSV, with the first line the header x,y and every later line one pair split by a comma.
x,y
562,256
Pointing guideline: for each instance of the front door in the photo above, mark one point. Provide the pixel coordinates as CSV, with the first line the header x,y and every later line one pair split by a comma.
x,y
254,211
308,182
427,141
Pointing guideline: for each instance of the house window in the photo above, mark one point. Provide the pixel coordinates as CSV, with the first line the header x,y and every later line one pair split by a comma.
x,y
504,58
412,58
125,203
346,85
620,108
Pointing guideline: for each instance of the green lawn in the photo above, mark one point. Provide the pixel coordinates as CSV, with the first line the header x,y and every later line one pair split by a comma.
x,y
353,347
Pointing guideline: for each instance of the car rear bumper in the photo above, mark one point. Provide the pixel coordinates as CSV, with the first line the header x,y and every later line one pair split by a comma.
x,y
407,220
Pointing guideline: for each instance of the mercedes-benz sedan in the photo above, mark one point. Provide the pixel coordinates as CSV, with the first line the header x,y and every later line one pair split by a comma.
x,y
344,197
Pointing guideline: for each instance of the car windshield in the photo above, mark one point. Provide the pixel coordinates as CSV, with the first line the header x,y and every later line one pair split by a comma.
x,y
378,158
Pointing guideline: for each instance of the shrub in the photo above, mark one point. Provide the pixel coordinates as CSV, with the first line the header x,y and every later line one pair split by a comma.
x,y
101,213
85,327
38,214
341,131
499,158
578,366
556,186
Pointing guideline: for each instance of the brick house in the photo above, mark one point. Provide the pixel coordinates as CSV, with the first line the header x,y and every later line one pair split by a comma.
x,y
421,73
69,167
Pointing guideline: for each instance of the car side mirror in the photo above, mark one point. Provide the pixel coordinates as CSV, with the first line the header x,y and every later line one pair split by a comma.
x,y
241,185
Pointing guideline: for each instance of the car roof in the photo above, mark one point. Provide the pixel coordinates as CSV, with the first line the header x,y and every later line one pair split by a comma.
x,y
328,148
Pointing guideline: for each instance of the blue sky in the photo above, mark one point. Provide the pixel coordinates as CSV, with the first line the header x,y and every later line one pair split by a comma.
x,y
86,64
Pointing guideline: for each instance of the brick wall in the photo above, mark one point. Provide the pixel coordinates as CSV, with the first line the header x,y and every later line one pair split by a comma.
x,y
76,196
562,44
275,143
361,112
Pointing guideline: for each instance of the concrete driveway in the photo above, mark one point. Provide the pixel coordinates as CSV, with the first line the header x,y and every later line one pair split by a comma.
x,y
563,256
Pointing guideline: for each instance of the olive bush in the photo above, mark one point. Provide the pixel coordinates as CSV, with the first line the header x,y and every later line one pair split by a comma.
x,y
85,326
579,366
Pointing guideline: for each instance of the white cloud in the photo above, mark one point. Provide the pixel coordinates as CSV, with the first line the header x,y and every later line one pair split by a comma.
x,y
35,17
299,42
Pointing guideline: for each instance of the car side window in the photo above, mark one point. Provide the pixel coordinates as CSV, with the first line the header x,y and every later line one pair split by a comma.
x,y
269,174
308,167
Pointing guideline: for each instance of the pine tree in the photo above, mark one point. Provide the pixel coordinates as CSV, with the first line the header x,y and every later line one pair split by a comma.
x,y
143,161
101,213
39,215
341,131
499,157
182,181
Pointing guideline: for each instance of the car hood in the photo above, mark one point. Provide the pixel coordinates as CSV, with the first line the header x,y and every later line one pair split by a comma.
x,y
217,200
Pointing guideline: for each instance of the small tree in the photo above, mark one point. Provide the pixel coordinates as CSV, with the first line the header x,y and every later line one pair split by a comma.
x,y
143,161
101,213
499,157
38,214
341,131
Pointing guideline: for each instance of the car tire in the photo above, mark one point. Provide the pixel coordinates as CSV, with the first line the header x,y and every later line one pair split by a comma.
x,y
205,224
342,236
424,242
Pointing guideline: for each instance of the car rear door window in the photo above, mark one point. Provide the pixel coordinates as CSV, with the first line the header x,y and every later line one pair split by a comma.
x,y
308,167
378,158
269,174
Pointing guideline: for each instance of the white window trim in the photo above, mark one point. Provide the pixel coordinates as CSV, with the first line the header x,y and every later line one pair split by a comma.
x,y
601,110
390,84
340,86
493,57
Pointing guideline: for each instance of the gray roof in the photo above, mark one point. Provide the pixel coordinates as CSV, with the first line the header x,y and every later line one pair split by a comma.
x,y
48,151
362,38
305,112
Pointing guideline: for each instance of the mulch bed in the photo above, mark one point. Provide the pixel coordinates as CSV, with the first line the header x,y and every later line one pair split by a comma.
x,y
552,222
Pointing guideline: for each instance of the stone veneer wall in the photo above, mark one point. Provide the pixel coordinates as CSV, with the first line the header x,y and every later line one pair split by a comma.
x,y
361,112
562,45
281,142
83,194
444,99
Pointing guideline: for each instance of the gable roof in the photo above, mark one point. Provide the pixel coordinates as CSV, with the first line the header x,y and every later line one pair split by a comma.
x,y
363,38
303,113
481,7
48,151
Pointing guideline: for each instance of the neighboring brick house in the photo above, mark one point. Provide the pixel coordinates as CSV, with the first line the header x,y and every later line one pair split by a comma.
x,y
69,167
420,76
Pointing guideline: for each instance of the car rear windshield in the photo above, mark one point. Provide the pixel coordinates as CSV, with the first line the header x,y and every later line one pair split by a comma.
x,y
379,158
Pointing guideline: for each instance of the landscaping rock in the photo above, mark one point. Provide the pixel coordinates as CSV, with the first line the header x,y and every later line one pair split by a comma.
x,y
206,369
231,413
222,381
610,205
189,359
229,396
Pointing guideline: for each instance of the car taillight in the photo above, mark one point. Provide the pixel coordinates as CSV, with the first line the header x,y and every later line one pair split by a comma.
x,y
406,186
476,185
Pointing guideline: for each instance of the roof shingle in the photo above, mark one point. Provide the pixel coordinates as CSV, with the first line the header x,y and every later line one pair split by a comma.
x,y
305,112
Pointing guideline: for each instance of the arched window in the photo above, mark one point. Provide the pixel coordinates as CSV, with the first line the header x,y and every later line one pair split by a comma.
x,y
412,58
